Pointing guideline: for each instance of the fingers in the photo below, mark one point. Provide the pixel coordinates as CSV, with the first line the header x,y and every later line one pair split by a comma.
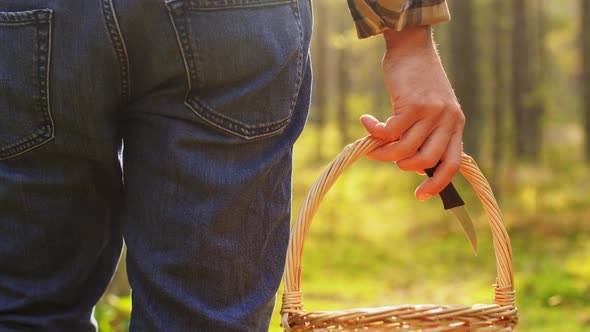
x,y
427,141
408,130
390,130
407,146
429,154
449,166
433,148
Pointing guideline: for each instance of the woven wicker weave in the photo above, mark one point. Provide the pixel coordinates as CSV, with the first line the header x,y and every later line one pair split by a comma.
x,y
500,316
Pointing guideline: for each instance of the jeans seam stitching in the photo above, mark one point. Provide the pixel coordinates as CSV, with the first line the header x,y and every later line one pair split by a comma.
x,y
211,7
11,24
31,16
118,42
198,103
181,30
236,127
297,13
46,132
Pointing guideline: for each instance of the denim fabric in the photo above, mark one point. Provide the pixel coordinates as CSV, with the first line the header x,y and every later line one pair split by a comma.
x,y
168,124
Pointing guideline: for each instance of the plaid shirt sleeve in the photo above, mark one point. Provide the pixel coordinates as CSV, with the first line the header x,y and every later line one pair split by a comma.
x,y
372,17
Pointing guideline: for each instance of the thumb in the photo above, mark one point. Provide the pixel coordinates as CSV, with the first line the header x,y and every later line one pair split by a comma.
x,y
369,122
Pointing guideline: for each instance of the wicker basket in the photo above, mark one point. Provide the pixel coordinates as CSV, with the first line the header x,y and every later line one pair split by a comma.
x,y
500,316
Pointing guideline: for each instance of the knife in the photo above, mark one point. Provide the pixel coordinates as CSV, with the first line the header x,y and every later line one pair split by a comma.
x,y
452,201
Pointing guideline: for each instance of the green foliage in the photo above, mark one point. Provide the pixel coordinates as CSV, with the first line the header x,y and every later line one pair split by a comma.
x,y
113,313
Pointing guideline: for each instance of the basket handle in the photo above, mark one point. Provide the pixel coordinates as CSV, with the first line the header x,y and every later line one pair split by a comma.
x,y
504,287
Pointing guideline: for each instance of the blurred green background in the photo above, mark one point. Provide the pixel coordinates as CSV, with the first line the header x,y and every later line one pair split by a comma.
x,y
521,70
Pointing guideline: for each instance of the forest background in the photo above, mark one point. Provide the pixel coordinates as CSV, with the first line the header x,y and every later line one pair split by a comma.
x,y
521,70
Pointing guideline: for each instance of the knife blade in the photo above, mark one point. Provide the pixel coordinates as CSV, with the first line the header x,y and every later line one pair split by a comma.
x,y
452,201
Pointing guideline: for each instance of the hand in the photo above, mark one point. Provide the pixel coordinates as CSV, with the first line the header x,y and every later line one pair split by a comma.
x,y
427,122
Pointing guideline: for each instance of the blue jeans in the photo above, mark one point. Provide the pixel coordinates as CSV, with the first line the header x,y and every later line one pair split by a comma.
x,y
169,124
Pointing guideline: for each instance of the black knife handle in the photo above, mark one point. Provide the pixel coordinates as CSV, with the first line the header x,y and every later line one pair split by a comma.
x,y
449,196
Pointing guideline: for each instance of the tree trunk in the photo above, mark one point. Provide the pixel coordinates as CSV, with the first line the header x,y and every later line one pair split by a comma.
x,y
586,72
344,89
527,103
320,52
520,78
538,58
464,73
499,86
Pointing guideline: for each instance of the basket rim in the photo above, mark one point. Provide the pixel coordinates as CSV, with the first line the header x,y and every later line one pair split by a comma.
x,y
292,305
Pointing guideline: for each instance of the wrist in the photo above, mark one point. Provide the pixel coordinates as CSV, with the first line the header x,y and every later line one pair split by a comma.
x,y
415,37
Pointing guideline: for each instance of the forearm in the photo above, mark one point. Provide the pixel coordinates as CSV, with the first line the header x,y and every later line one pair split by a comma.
x,y
419,37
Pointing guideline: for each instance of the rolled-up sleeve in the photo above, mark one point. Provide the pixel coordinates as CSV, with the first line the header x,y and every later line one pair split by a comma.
x,y
372,17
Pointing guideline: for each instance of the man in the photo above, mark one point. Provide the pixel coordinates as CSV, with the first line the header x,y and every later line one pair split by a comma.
x,y
200,101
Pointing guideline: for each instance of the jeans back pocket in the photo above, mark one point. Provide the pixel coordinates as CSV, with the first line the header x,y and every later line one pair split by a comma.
x,y
244,62
25,117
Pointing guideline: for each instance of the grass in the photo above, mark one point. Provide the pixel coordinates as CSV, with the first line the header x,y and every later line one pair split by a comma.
x,y
372,244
